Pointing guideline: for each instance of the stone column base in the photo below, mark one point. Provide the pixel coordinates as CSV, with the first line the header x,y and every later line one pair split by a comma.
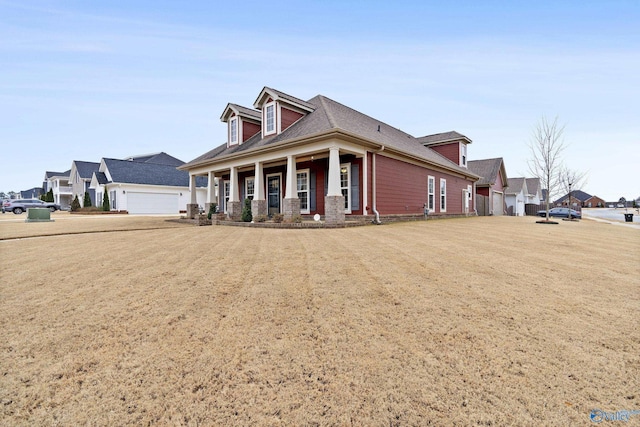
x,y
334,209
291,208
234,211
192,210
258,207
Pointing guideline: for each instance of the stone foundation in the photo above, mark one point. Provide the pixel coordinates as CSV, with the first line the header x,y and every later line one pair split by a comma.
x,y
334,210
291,208
192,210
234,211
258,207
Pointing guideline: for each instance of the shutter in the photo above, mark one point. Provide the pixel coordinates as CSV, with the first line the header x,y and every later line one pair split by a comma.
x,y
312,191
355,187
326,181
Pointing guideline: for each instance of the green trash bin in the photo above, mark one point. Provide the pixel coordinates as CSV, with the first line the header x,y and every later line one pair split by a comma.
x,y
628,217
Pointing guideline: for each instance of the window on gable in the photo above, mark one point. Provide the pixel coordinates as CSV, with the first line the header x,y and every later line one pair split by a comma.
x,y
443,195
233,131
270,118
431,193
463,154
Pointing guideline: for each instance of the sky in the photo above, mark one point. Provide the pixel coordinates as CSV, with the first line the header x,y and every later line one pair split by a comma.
x,y
83,80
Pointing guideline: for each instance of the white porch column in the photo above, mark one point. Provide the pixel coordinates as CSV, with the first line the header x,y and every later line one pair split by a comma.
x,y
258,184
192,189
211,188
233,186
291,191
333,188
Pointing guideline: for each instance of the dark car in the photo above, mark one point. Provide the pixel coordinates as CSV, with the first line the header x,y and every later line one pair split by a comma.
x,y
18,206
560,213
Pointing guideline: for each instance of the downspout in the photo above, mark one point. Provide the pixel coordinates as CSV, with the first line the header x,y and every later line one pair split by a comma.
x,y
373,184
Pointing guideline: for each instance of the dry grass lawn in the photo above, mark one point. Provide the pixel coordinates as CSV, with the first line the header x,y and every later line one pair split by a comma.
x,y
479,321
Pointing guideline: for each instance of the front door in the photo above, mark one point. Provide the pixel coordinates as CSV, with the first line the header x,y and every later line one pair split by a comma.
x,y
273,194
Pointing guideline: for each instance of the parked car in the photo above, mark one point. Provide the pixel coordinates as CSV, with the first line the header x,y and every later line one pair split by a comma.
x,y
17,206
560,213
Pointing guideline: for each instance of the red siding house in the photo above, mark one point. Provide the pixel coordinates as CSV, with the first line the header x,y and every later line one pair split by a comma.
x,y
491,187
318,156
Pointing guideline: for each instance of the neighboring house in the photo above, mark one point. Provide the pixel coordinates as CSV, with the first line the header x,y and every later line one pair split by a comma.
x,y
516,195
594,202
32,193
578,199
80,176
492,184
140,186
58,183
296,157
534,192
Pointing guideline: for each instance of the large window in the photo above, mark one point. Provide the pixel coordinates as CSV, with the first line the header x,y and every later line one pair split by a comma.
x,y
302,184
270,118
233,131
345,185
431,193
443,195
249,187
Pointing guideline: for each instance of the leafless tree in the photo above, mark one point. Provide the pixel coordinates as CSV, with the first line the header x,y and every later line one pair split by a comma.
x,y
547,145
571,180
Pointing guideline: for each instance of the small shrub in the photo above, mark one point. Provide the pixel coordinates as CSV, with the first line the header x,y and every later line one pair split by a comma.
x,y
260,218
247,216
75,204
49,196
87,200
213,208
296,219
90,209
106,206
277,218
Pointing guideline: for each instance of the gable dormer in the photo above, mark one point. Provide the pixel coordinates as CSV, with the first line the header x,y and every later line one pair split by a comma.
x,y
279,110
242,123
451,145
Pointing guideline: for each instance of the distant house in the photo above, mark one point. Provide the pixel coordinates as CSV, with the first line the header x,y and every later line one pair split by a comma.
x,y
491,186
534,192
148,184
32,193
594,202
58,183
579,199
515,196
295,157
80,176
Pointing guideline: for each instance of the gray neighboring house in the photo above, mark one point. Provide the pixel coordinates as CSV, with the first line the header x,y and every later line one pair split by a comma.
x,y
58,183
148,184
80,177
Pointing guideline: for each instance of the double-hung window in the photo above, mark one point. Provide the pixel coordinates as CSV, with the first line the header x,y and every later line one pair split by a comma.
x,y
302,184
249,187
227,192
463,154
345,185
270,118
443,195
431,193
233,131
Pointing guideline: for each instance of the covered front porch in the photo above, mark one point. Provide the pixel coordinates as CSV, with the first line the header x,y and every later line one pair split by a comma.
x,y
328,181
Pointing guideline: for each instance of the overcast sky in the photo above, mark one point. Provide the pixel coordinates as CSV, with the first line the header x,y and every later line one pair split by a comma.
x,y
82,80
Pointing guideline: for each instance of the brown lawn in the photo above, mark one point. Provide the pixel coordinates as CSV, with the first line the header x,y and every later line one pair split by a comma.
x,y
479,321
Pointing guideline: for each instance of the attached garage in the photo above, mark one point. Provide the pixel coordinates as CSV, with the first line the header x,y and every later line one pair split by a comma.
x,y
498,203
152,203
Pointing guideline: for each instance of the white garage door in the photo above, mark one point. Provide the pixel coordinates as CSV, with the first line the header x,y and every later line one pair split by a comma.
x,y
152,203
498,208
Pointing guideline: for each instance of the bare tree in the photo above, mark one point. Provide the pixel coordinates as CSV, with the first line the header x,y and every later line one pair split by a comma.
x,y
546,146
571,180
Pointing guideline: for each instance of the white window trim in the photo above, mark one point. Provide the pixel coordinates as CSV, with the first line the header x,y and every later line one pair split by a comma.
x,y
226,197
266,185
431,201
443,206
308,190
233,141
463,154
246,187
347,210
265,131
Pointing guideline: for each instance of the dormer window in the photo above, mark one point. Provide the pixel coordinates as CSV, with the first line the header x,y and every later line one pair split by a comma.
x,y
233,130
270,118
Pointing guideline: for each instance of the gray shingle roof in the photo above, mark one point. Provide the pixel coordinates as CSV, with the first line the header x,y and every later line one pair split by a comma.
x,y
86,169
330,115
533,184
101,178
149,173
243,111
487,169
287,97
442,137
575,194
515,185
161,158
